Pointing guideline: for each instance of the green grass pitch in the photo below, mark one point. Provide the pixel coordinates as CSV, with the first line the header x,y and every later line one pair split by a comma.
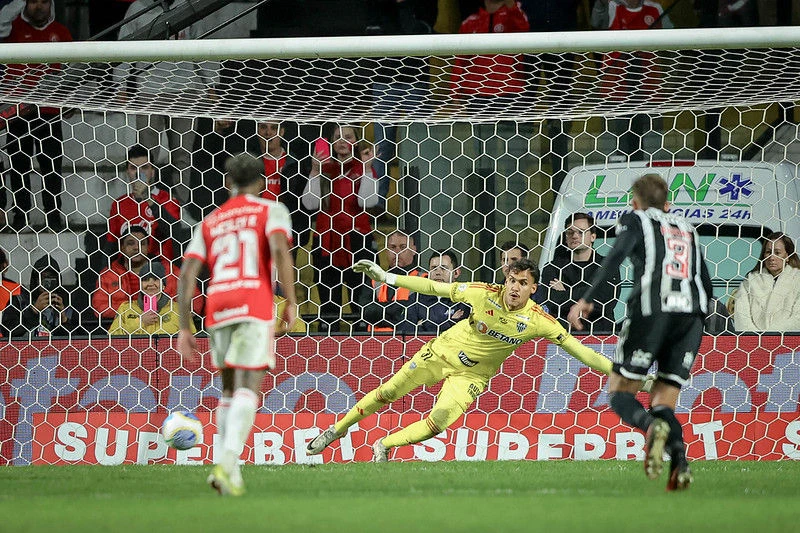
x,y
494,496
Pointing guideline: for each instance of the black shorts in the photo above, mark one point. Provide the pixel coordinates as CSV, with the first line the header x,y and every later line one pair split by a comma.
x,y
670,339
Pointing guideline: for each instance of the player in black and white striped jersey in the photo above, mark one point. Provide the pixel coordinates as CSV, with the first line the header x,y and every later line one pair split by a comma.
x,y
664,322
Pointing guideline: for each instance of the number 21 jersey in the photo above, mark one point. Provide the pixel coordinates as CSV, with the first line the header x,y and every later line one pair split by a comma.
x,y
234,242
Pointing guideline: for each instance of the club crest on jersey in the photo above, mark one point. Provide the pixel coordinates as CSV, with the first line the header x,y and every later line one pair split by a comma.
x,y
521,327
641,358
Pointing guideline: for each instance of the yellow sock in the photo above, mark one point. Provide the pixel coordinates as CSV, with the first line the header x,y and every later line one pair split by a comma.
x,y
362,409
416,432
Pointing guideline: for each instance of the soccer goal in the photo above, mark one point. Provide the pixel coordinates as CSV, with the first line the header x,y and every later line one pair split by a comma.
x,y
474,143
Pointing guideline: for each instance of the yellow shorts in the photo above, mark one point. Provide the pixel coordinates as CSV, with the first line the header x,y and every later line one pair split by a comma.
x,y
460,386
245,345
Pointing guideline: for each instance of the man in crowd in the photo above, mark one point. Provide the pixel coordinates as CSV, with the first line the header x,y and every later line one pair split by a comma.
x,y
387,310
36,129
567,277
43,309
431,314
150,206
285,181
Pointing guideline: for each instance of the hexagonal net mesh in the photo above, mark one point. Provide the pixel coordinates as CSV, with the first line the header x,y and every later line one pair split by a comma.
x,y
475,160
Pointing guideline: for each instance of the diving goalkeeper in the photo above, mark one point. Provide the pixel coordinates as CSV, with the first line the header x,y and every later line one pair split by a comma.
x,y
465,356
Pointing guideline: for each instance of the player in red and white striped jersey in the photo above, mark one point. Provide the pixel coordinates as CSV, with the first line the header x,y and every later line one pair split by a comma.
x,y
239,242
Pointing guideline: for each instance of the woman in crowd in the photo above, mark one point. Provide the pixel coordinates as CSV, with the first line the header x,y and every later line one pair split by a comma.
x,y
769,297
341,188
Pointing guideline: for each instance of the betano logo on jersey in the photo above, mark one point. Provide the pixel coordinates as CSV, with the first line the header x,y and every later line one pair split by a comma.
x,y
687,198
482,327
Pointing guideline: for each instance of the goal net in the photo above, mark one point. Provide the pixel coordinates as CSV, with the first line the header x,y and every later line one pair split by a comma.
x,y
483,145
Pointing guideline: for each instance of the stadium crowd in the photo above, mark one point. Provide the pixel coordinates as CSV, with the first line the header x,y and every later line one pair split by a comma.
x,y
336,186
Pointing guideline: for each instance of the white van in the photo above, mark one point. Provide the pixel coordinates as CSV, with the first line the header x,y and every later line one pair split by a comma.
x,y
732,205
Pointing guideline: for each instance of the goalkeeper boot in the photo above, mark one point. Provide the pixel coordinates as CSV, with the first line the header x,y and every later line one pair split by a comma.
x,y
380,453
321,441
656,440
680,476
220,481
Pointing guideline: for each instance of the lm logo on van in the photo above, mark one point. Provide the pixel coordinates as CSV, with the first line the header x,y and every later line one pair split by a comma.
x,y
733,189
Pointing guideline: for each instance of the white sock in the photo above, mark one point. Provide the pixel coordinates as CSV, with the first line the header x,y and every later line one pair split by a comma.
x,y
221,415
238,423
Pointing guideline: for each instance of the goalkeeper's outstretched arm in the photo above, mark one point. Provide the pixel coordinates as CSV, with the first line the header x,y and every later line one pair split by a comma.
x,y
412,283
586,355
596,360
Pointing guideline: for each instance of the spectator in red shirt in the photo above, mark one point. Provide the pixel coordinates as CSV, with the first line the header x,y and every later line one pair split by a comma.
x,y
285,181
149,206
630,76
8,287
273,157
495,75
286,176
489,84
36,129
119,283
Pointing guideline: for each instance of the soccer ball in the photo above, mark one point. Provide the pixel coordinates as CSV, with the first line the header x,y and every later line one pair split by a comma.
x,y
182,430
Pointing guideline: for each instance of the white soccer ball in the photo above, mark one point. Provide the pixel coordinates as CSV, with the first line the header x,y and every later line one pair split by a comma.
x,y
182,430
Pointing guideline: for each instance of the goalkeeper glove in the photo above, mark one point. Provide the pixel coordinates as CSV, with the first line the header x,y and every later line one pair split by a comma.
x,y
374,271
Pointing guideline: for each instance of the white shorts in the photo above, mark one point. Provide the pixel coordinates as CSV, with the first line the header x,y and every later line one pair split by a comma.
x,y
245,345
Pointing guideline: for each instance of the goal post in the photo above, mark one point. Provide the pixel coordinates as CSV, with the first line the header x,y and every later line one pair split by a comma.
x,y
475,141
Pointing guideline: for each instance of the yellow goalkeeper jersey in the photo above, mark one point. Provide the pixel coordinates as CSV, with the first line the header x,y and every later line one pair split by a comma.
x,y
481,342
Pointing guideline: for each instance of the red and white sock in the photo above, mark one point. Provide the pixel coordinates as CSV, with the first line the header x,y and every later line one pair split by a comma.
x,y
238,423
221,415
